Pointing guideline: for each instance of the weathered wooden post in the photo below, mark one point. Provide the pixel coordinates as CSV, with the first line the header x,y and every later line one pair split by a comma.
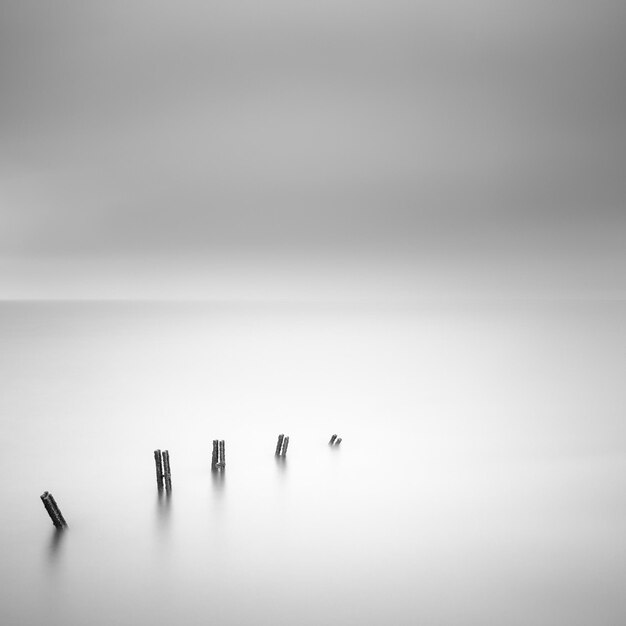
x,y
215,455
59,515
279,444
332,440
218,458
222,460
53,510
338,441
167,472
158,461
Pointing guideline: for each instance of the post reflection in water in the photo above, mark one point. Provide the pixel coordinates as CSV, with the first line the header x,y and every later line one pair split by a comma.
x,y
218,480
55,545
163,508
281,463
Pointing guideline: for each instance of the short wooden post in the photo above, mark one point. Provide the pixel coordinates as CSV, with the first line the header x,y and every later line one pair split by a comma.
x,y
167,472
279,444
53,510
215,455
338,441
332,440
222,449
158,461
285,444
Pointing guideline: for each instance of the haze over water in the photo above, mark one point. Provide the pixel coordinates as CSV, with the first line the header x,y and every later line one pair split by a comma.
x,y
480,479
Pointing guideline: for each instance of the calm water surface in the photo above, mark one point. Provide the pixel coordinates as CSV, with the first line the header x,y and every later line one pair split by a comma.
x,y
481,478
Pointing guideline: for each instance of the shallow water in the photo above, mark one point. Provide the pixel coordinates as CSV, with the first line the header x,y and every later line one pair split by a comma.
x,y
481,478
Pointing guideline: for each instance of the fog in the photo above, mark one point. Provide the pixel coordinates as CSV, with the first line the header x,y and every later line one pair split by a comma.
x,y
151,150
401,222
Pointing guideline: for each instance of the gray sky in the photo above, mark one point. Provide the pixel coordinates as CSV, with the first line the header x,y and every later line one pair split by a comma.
x,y
201,149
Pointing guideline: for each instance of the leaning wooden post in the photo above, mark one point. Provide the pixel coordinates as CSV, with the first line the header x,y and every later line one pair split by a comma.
x,y
279,444
45,498
158,461
166,470
58,511
339,440
332,440
285,444
53,510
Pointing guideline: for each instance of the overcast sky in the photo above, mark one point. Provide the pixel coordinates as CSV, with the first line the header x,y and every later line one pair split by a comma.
x,y
217,149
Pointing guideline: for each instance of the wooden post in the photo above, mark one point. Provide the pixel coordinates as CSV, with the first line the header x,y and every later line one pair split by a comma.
x,y
53,510
285,444
332,440
166,470
222,462
279,444
158,461
215,455
45,498
338,441
58,511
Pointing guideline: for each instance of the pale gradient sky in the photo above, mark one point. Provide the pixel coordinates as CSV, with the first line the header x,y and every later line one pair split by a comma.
x,y
329,148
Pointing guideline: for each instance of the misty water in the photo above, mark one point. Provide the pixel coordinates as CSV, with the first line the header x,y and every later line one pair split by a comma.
x,y
481,478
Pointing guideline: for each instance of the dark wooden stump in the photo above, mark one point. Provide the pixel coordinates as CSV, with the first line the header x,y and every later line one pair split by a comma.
x,y
222,459
167,472
279,444
215,456
158,461
53,510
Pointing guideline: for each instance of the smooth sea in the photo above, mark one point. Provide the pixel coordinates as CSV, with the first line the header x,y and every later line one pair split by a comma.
x,y
481,478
